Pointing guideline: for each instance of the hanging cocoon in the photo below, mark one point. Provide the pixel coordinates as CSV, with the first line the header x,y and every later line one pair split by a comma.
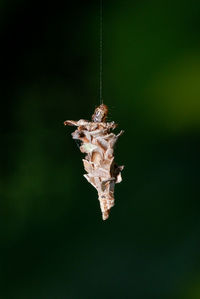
x,y
97,142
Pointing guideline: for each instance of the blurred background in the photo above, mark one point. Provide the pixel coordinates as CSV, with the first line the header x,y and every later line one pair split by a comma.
x,y
53,242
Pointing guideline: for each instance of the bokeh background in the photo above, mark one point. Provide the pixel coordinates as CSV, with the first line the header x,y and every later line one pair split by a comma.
x,y
53,241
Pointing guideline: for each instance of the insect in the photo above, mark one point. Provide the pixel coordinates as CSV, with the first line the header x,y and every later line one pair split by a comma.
x,y
97,142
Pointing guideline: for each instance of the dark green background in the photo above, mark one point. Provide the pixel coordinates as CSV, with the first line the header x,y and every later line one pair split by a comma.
x,y
54,243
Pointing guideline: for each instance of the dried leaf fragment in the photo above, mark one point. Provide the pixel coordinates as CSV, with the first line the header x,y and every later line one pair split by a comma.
x,y
98,145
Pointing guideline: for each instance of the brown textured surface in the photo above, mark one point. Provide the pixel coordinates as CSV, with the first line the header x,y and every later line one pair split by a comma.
x,y
98,145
